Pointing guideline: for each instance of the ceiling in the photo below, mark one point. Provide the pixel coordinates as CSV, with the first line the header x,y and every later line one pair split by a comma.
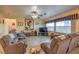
x,y
15,11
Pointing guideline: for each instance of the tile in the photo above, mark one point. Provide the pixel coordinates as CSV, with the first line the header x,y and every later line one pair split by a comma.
x,y
36,40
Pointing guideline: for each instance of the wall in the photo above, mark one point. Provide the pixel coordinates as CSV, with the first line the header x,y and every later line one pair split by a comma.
x,y
38,23
2,26
20,23
10,24
77,26
6,25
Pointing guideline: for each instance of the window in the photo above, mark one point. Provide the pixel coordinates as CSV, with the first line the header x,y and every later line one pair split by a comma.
x,y
50,26
63,26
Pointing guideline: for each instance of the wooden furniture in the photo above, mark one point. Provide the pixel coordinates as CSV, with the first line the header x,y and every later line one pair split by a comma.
x,y
43,33
34,50
31,33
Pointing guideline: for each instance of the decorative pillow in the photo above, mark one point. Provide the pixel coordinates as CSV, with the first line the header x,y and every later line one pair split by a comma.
x,y
61,37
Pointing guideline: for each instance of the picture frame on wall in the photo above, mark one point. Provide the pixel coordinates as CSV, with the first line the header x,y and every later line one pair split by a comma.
x,y
29,24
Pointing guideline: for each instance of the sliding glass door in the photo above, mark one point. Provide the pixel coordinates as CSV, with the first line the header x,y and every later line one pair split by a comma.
x,y
63,26
59,26
50,26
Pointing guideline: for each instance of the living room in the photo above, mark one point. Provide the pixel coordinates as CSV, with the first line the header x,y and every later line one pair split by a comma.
x,y
31,29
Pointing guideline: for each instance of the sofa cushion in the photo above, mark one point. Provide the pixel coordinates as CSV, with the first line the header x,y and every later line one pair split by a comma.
x,y
62,43
74,43
15,49
63,46
54,48
61,37
74,51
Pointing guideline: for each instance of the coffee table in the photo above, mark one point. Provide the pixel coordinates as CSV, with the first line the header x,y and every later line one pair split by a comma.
x,y
34,50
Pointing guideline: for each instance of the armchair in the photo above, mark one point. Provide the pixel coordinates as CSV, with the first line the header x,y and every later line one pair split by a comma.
x,y
18,48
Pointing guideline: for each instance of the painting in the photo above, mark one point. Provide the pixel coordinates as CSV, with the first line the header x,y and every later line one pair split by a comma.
x,y
29,24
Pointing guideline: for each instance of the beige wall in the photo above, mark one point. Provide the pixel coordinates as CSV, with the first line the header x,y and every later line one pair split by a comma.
x,y
2,27
18,27
77,26
38,23
7,26
73,26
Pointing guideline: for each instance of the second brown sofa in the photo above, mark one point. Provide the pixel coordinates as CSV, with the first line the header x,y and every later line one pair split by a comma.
x,y
18,48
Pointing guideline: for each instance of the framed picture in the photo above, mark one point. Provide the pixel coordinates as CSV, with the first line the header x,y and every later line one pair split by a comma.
x,y
29,24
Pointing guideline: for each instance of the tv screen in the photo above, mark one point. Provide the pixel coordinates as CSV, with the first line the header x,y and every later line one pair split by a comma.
x,y
43,29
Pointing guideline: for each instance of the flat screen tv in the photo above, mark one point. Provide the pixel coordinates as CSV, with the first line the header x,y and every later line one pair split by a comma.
x,y
43,29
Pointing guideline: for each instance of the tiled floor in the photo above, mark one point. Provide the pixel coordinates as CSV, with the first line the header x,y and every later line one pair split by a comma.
x,y
36,40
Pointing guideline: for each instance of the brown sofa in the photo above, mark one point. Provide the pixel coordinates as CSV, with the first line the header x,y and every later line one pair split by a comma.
x,y
74,46
58,45
68,45
18,48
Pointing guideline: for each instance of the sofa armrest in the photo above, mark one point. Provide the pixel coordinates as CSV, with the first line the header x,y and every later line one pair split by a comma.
x,y
46,44
19,48
46,47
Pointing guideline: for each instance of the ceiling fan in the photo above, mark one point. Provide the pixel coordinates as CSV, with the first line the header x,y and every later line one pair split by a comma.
x,y
35,13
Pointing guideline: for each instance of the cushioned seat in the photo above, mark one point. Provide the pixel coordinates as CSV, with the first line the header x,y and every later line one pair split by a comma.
x,y
18,48
58,45
15,49
73,44
74,51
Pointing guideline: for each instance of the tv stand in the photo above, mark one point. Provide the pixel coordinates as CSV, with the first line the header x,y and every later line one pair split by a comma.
x,y
43,33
